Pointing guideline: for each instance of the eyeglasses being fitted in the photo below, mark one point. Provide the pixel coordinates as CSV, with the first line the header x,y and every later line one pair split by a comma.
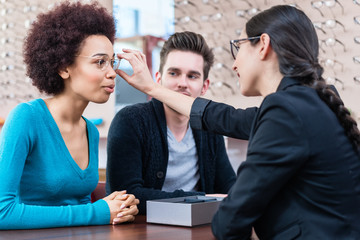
x,y
235,44
103,61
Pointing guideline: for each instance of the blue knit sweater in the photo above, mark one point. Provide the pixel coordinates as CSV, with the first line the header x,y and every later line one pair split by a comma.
x,y
41,186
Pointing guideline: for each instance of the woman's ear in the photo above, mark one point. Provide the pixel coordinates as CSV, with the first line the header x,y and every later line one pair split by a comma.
x,y
64,74
265,46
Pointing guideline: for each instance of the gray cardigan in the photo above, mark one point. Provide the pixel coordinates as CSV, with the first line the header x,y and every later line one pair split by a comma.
x,y
138,156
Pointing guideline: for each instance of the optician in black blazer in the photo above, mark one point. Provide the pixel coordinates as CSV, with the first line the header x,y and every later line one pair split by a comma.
x,y
301,177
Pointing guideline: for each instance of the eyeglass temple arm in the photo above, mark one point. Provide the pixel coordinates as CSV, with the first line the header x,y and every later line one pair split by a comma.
x,y
342,7
313,6
340,24
337,40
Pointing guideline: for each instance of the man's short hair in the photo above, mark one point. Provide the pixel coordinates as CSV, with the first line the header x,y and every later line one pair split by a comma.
x,y
191,42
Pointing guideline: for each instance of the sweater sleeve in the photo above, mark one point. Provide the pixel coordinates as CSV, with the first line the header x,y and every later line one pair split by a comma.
x,y
16,142
126,164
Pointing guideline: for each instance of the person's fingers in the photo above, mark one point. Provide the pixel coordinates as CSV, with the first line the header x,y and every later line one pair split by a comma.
x,y
139,55
141,77
122,74
128,201
132,210
123,197
129,218
133,56
143,56
128,50
134,202
114,194
110,196
216,195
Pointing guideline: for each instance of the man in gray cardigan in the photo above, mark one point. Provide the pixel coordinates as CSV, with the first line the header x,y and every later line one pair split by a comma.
x,y
153,152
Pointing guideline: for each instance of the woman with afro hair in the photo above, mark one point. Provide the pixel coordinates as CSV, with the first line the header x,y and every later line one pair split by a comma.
x,y
48,150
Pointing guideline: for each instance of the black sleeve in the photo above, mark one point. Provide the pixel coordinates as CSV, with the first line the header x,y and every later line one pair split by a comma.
x,y
221,118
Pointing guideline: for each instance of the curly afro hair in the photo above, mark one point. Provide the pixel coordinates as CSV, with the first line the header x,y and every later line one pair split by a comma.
x,y
55,38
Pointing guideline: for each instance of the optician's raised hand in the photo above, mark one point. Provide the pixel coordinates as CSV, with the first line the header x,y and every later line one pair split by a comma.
x,y
123,207
141,78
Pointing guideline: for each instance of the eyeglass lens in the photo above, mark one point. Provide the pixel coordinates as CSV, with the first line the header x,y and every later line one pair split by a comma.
x,y
105,61
234,49
115,63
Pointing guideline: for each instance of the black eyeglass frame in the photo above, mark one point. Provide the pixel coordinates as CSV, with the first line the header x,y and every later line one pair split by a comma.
x,y
236,44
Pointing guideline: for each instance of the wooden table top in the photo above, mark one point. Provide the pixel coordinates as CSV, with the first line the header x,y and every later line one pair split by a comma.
x,y
139,230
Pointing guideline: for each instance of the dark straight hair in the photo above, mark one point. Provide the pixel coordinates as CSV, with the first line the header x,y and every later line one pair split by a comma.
x,y
294,39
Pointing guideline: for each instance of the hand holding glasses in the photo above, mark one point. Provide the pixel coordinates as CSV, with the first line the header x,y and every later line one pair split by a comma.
x,y
104,61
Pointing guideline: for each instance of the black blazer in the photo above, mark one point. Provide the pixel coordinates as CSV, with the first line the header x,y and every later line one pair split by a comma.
x,y
301,178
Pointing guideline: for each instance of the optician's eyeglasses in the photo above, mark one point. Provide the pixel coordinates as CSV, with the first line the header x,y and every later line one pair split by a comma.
x,y
235,44
104,61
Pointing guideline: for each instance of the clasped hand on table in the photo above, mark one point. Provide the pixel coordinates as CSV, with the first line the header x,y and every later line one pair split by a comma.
x,y
123,207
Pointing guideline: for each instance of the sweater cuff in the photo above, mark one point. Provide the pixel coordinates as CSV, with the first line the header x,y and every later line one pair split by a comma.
x,y
102,216
197,111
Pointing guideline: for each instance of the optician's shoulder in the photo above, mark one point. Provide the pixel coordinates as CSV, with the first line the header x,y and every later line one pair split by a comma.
x,y
297,103
292,97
